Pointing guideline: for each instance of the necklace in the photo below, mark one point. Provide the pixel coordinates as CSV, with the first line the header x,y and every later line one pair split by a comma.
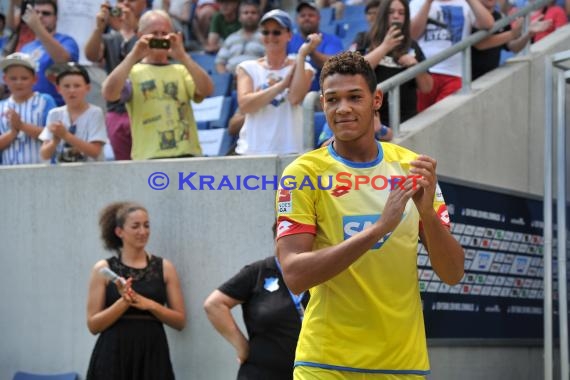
x,y
137,274
276,67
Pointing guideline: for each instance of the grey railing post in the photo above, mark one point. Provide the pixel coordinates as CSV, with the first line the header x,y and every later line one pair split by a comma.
x,y
547,226
394,110
466,71
561,221
562,73
309,120
526,26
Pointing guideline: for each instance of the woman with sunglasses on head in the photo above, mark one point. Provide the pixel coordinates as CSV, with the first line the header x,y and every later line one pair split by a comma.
x,y
271,89
128,312
392,50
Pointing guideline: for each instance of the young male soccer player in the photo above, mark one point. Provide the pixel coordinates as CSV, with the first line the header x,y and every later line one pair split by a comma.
x,y
356,249
23,114
76,131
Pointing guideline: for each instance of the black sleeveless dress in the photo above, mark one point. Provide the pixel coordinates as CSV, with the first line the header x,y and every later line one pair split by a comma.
x,y
134,347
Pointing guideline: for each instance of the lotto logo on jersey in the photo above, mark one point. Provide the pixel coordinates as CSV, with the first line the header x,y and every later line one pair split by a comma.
x,y
285,201
351,225
283,226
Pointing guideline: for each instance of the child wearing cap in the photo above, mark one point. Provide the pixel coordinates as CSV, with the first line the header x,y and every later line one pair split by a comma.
x,y
23,114
76,131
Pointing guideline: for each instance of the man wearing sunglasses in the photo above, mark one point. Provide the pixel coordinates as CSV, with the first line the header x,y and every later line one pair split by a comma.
x,y
49,47
308,17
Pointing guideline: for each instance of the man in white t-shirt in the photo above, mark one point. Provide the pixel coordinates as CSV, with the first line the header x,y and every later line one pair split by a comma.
x,y
437,25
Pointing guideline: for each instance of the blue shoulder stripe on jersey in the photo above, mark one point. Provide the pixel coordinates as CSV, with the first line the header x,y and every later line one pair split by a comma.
x,y
362,370
357,165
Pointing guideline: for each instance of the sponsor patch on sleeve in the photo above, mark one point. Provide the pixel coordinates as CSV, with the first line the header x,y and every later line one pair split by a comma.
x,y
438,194
285,202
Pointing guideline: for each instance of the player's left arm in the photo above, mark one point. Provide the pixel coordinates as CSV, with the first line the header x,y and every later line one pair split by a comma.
x,y
446,254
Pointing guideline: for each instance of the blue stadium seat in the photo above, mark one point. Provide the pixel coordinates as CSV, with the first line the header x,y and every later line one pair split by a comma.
x,y
227,112
320,120
222,84
227,142
354,12
347,31
327,16
31,376
206,61
328,28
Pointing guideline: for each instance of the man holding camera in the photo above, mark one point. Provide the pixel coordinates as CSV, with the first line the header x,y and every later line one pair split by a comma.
x,y
157,93
111,48
49,47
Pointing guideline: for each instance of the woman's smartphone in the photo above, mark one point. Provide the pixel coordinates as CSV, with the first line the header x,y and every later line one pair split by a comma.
x,y
397,24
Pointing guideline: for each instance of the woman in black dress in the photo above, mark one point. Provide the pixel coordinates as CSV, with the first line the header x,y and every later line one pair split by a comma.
x,y
129,317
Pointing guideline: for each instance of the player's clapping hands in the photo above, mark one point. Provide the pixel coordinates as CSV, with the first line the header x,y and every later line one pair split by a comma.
x,y
424,166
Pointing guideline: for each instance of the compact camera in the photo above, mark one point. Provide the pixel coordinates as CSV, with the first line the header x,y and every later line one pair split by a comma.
x,y
116,12
159,43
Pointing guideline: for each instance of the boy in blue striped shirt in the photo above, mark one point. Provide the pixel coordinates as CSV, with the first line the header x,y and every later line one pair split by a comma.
x,y
23,114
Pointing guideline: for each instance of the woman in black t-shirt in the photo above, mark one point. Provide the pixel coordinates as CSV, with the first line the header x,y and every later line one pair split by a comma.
x,y
272,316
392,51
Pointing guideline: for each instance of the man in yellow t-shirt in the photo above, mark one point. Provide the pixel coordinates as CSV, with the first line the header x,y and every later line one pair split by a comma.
x,y
349,218
158,92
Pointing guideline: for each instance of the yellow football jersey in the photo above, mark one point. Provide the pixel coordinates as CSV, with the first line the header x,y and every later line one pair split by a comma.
x,y
369,317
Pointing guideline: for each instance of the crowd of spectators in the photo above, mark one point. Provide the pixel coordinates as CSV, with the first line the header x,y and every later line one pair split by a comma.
x,y
150,75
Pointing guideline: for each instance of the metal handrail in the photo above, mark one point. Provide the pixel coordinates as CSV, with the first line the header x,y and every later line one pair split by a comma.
x,y
309,120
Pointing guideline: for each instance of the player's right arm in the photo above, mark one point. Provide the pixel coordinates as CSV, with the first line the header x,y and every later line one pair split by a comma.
x,y
304,268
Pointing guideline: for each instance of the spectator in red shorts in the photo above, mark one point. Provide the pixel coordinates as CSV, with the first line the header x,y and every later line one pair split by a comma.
x,y
438,25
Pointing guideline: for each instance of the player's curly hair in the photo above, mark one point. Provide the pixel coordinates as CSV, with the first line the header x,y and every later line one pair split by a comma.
x,y
112,216
349,63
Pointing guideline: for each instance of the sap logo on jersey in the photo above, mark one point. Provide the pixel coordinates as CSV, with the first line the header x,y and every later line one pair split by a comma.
x,y
351,225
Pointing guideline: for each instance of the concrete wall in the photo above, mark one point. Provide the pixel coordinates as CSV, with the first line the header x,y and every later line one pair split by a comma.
x,y
50,241
49,236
